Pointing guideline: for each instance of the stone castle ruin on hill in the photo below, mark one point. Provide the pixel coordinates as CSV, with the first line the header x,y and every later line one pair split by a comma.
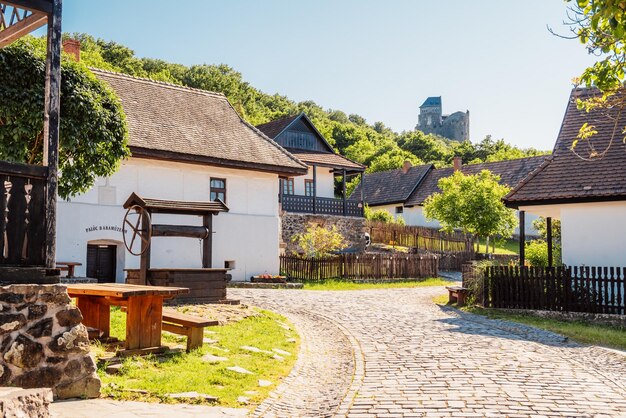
x,y
432,121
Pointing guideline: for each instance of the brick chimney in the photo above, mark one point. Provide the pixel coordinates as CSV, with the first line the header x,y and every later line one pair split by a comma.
x,y
457,162
72,47
406,166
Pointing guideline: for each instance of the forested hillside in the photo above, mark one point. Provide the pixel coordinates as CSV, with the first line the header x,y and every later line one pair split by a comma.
x,y
374,145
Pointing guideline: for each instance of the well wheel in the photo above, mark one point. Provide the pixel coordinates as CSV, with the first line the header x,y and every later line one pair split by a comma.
x,y
140,227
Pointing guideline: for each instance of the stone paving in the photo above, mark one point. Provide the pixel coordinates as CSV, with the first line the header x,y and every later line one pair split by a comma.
x,y
393,353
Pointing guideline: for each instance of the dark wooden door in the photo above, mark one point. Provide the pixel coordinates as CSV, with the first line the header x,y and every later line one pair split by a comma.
x,y
102,262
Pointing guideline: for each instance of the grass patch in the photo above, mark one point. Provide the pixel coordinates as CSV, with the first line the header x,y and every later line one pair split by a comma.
x,y
182,372
579,331
503,246
333,284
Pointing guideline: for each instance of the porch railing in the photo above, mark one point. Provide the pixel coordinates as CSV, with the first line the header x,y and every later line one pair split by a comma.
x,y
321,205
22,215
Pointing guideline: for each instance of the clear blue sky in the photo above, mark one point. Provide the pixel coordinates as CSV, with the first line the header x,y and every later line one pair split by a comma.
x,y
379,59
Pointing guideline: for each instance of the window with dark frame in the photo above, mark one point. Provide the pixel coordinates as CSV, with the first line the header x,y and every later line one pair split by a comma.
x,y
399,209
309,187
218,189
287,186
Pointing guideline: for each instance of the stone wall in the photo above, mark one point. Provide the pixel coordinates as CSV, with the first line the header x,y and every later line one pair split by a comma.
x,y
353,229
43,343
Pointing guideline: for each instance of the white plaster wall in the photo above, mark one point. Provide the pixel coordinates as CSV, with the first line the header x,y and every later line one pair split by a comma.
x,y
248,234
325,182
414,216
594,234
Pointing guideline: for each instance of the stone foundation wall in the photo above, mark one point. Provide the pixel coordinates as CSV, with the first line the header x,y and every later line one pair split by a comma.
x,y
43,343
353,229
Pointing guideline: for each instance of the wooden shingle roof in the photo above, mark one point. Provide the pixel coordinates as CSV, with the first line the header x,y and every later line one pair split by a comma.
x,y
176,206
568,178
172,122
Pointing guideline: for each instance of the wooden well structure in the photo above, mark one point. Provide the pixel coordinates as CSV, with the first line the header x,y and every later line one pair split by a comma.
x,y
203,283
28,193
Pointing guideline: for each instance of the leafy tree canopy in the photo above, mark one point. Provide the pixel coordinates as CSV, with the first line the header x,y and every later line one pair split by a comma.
x,y
472,203
93,134
374,145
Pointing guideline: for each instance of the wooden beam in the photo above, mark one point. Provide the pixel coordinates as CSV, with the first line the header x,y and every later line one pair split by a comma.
x,y
51,125
363,194
522,237
549,239
21,28
144,261
345,202
207,242
44,6
314,188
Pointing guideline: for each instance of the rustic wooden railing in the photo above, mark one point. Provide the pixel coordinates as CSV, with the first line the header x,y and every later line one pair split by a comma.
x,y
421,238
358,267
573,289
321,205
22,215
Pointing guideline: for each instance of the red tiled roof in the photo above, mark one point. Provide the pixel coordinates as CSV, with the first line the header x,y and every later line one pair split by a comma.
x,y
568,177
326,159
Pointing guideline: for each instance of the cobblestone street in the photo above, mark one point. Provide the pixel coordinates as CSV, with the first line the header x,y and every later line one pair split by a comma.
x,y
393,353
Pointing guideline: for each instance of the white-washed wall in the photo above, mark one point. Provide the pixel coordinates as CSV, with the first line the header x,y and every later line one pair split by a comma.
x,y
325,182
594,234
248,234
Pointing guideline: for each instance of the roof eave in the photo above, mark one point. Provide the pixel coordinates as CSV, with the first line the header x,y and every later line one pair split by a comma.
x,y
564,201
147,153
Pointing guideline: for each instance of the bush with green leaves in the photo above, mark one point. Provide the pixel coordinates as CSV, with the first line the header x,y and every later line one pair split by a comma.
x,y
536,253
318,241
93,133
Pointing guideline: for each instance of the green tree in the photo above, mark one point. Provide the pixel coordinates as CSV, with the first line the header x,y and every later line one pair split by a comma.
x,y
93,134
472,203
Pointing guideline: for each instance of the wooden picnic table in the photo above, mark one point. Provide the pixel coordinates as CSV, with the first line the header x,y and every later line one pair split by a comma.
x,y
68,266
144,310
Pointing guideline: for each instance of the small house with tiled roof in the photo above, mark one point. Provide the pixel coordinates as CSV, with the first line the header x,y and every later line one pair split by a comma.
x,y
315,191
584,187
402,192
189,145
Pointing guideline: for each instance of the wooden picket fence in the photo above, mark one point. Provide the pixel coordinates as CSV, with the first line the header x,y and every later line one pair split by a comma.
x,y
419,238
572,289
359,267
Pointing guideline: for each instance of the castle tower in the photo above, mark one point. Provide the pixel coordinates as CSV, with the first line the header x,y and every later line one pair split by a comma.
x,y
431,120
430,116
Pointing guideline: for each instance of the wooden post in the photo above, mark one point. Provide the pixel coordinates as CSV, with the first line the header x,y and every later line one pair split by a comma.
x,y
549,239
144,264
522,237
345,202
281,192
52,110
363,193
207,243
314,188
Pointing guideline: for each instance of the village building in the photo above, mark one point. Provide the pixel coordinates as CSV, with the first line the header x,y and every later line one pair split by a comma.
x,y
402,192
585,188
319,197
187,145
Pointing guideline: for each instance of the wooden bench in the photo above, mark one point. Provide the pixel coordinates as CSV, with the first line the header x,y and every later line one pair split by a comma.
x,y
68,266
457,294
191,326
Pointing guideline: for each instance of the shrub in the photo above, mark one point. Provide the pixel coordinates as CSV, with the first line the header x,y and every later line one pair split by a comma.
x,y
380,215
319,242
537,253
